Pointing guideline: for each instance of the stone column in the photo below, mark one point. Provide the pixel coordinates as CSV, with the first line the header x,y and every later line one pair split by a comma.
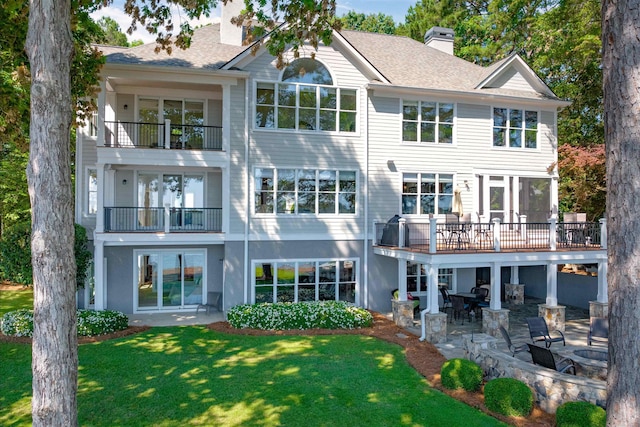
x,y
598,309
493,319
473,344
402,313
554,315
514,293
435,327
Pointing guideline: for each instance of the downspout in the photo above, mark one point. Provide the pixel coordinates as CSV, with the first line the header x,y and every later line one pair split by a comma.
x,y
248,187
423,315
365,190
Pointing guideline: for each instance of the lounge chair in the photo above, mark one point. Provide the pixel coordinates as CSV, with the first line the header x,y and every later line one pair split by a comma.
x,y
214,301
539,331
543,357
598,330
512,348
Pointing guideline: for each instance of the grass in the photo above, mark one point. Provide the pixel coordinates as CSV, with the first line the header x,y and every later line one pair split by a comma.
x,y
194,376
15,299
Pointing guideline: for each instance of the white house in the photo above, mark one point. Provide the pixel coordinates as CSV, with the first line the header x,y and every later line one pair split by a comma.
x,y
211,170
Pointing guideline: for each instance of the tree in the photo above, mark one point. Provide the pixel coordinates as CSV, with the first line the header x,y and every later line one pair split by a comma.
x,y
50,49
372,23
111,34
582,186
621,60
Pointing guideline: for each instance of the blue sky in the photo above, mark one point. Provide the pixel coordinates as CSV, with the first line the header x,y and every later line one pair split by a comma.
x,y
396,8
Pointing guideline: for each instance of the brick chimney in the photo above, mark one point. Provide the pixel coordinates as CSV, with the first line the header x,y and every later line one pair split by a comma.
x,y
440,38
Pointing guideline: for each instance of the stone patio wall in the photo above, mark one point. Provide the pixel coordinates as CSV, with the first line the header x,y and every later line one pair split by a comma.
x,y
550,388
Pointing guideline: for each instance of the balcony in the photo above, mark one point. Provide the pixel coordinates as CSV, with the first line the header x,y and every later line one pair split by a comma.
x,y
162,136
432,237
158,220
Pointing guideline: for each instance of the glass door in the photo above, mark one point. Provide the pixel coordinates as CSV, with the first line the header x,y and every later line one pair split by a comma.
x,y
496,197
147,286
149,123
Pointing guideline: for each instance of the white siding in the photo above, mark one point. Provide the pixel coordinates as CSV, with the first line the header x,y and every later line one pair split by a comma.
x,y
513,80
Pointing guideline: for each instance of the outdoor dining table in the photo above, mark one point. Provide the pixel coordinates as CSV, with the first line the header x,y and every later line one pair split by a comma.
x,y
471,299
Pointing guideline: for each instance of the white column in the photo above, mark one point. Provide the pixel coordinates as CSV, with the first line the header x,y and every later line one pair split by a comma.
x,y
515,274
167,218
226,200
554,194
553,233
552,284
515,197
603,295
496,234
99,275
402,223
433,239
100,177
226,117
402,279
101,113
432,288
495,303
167,133
603,233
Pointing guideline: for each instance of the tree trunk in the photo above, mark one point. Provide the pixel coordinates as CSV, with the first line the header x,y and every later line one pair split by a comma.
x,y
621,62
55,343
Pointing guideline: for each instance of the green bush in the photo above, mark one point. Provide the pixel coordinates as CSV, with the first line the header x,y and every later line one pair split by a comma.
x,y
461,373
580,414
19,323
508,396
299,315
15,254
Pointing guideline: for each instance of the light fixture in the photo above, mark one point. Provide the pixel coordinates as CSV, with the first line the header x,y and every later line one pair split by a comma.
x,y
125,106
466,185
124,182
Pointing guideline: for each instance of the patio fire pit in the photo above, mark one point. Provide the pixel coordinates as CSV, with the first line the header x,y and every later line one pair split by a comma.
x,y
590,362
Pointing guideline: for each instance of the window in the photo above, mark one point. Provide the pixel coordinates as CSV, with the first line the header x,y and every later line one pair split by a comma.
x,y
306,100
305,280
417,277
92,123
427,193
187,121
92,191
515,128
427,122
305,191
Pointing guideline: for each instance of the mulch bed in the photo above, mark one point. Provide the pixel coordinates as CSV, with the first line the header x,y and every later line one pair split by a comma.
x,y
422,356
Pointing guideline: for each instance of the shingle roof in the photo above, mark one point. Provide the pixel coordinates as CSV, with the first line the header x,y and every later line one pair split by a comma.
x,y
206,51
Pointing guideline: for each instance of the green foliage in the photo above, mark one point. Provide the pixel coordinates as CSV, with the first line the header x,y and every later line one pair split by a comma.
x,y
508,396
19,323
301,315
580,414
372,23
461,373
15,254
111,34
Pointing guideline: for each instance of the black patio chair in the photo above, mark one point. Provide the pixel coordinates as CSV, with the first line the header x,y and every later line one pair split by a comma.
x,y
539,331
512,348
543,357
459,307
446,299
598,330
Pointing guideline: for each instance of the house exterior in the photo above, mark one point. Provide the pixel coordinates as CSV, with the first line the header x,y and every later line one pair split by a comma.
x,y
211,170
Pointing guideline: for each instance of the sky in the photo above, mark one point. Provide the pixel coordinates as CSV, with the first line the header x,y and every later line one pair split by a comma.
x,y
395,8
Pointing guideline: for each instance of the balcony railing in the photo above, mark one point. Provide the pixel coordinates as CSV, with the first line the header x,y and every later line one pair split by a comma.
x,y
433,237
169,220
165,135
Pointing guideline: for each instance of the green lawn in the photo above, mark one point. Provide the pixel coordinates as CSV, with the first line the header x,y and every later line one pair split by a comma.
x,y
15,299
193,376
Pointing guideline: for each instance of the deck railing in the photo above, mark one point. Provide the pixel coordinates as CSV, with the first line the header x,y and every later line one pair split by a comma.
x,y
495,236
169,220
165,135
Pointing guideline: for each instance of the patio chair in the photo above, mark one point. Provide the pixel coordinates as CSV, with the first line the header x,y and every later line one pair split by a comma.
x,y
543,357
459,307
214,301
598,330
416,300
512,348
539,331
446,299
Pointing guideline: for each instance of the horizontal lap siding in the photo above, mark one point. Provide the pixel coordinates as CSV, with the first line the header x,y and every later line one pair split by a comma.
x,y
310,150
237,172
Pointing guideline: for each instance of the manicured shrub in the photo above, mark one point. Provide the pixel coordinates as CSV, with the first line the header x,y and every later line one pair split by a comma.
x,y
508,396
461,373
15,254
19,323
580,414
299,315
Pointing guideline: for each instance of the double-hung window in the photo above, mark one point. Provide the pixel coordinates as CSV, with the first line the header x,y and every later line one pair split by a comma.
x,y
305,191
427,193
427,122
305,99
515,128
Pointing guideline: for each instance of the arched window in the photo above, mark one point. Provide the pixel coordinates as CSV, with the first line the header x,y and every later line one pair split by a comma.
x,y
306,99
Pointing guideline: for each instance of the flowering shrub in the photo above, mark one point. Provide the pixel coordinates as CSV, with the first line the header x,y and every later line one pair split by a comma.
x,y
19,323
299,315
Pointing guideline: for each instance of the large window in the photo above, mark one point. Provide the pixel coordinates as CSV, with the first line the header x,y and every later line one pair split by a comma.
x,y
417,278
169,279
427,193
186,116
305,280
305,191
306,99
515,128
427,122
